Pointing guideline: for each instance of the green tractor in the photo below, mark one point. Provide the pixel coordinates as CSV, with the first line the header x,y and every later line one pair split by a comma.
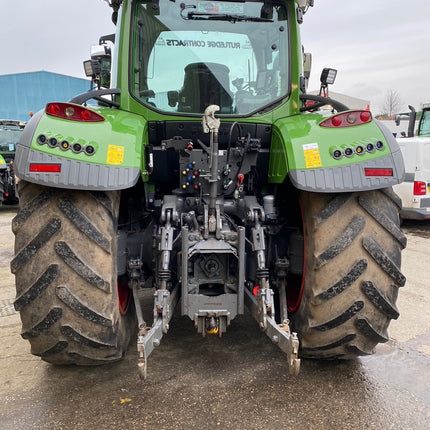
x,y
206,173
10,133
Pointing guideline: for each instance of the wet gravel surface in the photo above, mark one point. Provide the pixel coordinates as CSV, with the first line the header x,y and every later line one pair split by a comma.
x,y
238,382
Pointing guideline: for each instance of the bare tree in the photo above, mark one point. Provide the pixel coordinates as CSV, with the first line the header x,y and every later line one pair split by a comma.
x,y
392,103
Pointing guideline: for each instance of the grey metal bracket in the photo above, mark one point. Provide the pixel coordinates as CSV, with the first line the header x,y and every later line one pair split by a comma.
x,y
262,310
148,338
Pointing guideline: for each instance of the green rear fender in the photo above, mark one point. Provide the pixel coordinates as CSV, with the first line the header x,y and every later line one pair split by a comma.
x,y
306,152
106,155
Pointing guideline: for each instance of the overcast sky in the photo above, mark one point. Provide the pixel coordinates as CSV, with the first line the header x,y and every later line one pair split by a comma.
x,y
376,46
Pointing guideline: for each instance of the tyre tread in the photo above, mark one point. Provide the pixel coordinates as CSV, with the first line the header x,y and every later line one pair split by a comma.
x,y
80,267
375,211
341,242
383,260
357,269
84,224
29,251
50,319
364,325
378,298
36,289
345,316
86,339
82,309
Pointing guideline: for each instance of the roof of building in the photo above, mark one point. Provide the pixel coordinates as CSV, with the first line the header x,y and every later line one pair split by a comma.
x,y
22,93
351,102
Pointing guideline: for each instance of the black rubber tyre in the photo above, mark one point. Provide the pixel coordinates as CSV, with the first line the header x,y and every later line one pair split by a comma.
x,y
353,249
66,278
1,189
12,191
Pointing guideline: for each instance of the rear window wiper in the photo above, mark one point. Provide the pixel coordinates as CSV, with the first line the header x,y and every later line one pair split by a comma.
x,y
224,17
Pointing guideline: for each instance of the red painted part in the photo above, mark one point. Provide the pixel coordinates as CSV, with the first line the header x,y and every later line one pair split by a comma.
x,y
124,295
378,171
255,290
347,119
124,292
295,283
45,168
420,188
72,112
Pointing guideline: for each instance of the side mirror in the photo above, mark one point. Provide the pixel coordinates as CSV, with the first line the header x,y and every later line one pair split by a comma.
x,y
99,67
307,66
397,120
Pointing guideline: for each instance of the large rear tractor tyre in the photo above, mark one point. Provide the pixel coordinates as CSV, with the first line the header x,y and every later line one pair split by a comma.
x,y
65,268
352,275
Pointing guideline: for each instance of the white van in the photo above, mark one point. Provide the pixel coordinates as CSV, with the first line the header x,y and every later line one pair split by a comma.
x,y
415,190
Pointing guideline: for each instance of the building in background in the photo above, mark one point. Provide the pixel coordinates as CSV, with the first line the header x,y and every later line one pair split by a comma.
x,y
351,102
22,93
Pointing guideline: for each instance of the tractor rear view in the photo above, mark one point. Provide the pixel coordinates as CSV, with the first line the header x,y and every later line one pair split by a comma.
x,y
205,174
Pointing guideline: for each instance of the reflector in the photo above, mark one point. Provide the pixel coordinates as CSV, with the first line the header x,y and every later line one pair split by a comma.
x,y
45,168
378,171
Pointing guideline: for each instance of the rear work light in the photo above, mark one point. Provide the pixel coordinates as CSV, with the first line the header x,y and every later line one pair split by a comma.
x,y
347,119
72,112
378,172
45,168
420,188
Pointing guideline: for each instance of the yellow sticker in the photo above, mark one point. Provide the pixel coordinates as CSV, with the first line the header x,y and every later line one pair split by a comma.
x,y
2,161
312,155
115,154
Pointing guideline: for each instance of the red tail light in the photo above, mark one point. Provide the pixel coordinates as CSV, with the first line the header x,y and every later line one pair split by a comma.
x,y
72,112
419,188
347,119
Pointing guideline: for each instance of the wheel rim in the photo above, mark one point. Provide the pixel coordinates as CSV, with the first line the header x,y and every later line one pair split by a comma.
x,y
296,283
124,295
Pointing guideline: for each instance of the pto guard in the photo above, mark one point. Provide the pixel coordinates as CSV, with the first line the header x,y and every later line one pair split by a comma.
x,y
114,164
307,156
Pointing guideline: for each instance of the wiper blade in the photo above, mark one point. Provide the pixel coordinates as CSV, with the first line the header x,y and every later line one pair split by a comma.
x,y
225,17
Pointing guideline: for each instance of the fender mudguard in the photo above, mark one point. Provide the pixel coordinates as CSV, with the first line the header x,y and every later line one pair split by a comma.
x,y
106,155
306,152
